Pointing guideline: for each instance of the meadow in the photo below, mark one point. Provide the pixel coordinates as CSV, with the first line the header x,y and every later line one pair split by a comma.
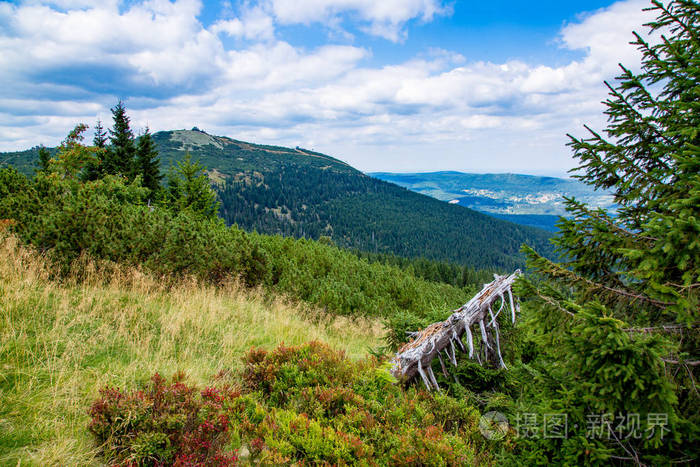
x,y
63,340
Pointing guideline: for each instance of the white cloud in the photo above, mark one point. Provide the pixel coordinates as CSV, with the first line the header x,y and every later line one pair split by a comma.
x,y
606,33
254,24
383,18
58,67
156,42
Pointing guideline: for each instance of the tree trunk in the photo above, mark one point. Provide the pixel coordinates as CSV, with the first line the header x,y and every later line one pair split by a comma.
x,y
416,357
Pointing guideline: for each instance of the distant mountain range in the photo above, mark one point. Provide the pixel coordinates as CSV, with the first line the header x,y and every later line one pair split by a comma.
x,y
302,193
524,199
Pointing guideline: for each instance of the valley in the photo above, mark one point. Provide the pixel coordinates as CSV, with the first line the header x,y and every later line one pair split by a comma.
x,y
523,199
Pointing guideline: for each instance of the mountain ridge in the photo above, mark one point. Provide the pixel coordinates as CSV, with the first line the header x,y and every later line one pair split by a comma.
x,y
301,193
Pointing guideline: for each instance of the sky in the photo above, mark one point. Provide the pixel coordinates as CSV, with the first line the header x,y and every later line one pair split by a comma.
x,y
385,85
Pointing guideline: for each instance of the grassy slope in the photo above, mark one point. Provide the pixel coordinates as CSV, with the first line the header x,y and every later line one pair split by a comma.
x,y
59,343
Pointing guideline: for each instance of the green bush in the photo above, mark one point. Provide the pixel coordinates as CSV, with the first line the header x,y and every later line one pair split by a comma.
x,y
298,405
309,404
610,389
164,424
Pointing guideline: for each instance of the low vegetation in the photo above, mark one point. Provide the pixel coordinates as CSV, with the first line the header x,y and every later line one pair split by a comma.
x,y
302,405
61,342
110,219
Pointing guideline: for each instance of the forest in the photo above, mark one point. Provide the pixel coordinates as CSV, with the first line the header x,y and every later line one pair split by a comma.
x,y
304,194
139,327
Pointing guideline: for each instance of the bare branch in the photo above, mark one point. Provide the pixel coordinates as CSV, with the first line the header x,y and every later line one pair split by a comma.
x,y
682,362
664,328
415,357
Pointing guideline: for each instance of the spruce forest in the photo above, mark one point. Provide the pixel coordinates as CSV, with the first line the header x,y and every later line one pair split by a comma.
x,y
184,299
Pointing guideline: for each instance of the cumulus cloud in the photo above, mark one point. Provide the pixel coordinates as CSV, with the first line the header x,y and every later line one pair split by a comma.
x,y
67,61
385,18
605,34
254,24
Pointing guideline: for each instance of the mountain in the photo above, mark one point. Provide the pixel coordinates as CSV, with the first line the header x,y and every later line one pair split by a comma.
x,y
524,199
302,193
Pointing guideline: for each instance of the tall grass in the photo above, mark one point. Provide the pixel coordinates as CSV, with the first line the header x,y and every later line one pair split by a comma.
x,y
62,341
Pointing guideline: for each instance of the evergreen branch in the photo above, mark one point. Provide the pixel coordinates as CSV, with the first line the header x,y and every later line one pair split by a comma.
x,y
550,301
630,162
690,31
641,119
651,101
595,215
684,287
557,271
625,293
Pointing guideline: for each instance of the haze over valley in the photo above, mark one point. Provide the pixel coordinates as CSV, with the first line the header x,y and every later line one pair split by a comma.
x,y
526,199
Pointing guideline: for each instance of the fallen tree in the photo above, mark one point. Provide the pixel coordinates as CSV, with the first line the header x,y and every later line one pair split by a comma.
x,y
416,357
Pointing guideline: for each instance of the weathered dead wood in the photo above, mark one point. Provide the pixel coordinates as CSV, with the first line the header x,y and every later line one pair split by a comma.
x,y
415,357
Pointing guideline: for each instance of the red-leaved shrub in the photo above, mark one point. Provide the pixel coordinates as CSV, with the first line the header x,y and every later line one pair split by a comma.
x,y
165,424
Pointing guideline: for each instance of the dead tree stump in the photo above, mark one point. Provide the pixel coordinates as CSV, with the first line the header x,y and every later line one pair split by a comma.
x,y
416,357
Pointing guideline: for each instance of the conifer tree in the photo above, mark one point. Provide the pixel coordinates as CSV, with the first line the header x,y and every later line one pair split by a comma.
x,y
619,315
44,158
100,139
148,163
95,169
189,189
120,155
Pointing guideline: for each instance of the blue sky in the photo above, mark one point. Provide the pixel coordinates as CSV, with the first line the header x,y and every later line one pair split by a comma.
x,y
497,30
387,85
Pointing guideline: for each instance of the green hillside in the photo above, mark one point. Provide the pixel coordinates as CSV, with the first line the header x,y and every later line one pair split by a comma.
x,y
25,161
301,193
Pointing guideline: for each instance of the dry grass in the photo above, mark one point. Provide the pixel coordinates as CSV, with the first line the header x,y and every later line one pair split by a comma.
x,y
62,341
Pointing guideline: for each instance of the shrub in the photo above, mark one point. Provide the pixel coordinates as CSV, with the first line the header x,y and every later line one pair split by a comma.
x,y
165,424
298,405
309,404
109,219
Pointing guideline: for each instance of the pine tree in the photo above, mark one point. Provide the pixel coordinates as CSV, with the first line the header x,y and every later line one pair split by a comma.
x,y
120,155
95,169
44,158
148,163
189,189
620,313
100,139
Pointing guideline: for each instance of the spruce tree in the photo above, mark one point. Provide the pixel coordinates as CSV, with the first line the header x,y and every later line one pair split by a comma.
x,y
120,155
44,158
189,189
100,139
148,163
95,169
618,318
